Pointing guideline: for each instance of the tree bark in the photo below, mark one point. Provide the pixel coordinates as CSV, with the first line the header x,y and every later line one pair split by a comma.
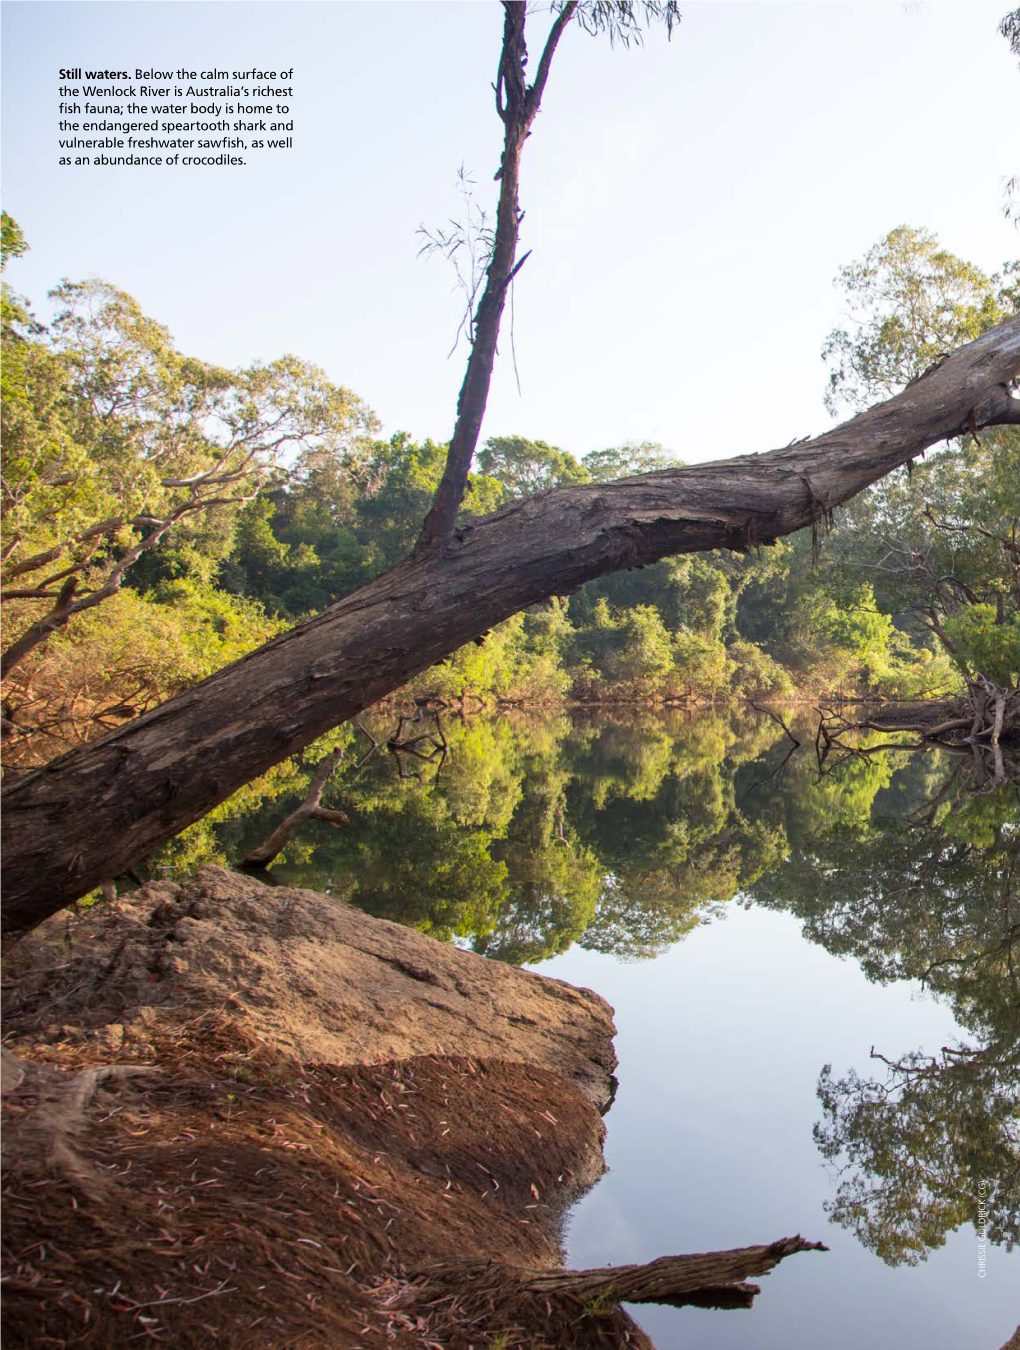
x,y
97,810
518,107
702,1280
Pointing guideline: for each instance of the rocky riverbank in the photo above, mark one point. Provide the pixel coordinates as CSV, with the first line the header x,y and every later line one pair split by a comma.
x,y
253,1115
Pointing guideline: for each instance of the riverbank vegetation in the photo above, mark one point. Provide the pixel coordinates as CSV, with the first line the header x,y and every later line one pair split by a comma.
x,y
163,516
245,627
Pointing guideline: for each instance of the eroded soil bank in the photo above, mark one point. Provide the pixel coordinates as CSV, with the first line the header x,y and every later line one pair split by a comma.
x,y
247,1115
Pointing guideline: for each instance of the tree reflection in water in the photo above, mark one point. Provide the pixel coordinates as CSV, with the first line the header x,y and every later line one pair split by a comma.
x,y
623,834
929,894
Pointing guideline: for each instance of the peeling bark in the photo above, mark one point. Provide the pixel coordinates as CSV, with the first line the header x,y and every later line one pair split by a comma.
x,y
96,811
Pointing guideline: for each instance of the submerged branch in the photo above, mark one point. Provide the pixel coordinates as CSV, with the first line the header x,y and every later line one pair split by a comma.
x,y
702,1279
309,809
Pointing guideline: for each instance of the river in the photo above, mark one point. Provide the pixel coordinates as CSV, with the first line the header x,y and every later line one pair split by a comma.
x,y
753,920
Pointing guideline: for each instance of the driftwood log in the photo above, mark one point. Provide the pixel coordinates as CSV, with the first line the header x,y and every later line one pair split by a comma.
x,y
984,725
701,1280
96,811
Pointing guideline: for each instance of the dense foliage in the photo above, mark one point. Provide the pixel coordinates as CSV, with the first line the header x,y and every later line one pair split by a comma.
x,y
162,516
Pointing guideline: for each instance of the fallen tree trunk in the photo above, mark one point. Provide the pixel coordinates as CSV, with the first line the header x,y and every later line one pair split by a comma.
x,y
97,810
700,1280
983,717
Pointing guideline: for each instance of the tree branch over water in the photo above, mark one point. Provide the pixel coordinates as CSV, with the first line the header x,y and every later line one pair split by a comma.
x,y
97,810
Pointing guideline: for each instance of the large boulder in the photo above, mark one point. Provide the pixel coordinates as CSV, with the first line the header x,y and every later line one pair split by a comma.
x,y
303,972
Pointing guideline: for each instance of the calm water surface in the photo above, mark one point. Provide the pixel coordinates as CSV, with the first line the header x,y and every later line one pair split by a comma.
x,y
709,1144
753,921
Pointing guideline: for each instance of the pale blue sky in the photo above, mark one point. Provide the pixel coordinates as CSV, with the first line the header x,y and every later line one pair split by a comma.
x,y
688,204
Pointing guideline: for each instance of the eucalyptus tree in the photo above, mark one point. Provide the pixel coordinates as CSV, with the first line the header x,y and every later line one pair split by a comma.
x,y
72,823
525,466
940,544
115,442
517,105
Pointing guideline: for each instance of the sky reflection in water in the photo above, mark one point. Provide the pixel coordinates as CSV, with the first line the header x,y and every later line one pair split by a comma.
x,y
751,924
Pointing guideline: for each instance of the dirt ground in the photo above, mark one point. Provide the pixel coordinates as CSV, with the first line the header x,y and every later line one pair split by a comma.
x,y
179,1170
226,1193
250,1116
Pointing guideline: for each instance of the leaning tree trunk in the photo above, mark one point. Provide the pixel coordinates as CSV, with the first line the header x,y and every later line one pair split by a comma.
x,y
97,810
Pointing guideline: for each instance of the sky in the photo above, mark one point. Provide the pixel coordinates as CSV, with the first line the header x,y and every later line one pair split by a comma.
x,y
688,203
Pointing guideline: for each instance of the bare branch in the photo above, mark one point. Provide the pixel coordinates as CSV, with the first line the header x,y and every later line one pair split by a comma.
x,y
309,809
548,52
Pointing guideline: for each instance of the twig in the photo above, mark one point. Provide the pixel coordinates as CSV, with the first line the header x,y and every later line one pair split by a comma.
x,y
776,718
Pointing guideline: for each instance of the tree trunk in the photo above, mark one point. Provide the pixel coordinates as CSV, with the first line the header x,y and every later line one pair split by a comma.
x,y
517,105
474,392
97,810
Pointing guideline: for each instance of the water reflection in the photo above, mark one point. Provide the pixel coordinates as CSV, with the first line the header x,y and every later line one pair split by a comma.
x,y
624,835
925,888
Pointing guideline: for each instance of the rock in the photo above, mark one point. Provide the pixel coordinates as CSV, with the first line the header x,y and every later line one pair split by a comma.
x,y
316,1103
307,974
294,1124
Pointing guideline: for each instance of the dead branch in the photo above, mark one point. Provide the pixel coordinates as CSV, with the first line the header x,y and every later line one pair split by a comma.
x,y
703,1280
399,744
309,809
769,712
982,719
